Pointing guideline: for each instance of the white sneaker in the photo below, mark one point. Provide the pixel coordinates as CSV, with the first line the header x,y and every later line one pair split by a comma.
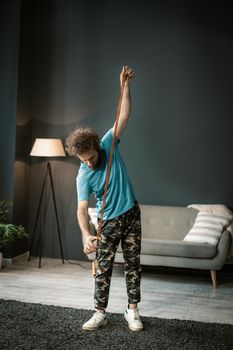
x,y
133,319
98,320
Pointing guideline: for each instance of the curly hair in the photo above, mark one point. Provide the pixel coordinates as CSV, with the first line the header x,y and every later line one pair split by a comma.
x,y
82,140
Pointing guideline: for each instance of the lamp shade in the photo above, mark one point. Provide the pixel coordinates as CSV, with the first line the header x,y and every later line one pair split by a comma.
x,y
48,148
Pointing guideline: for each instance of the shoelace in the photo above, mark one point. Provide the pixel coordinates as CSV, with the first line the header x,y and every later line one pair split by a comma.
x,y
136,315
97,315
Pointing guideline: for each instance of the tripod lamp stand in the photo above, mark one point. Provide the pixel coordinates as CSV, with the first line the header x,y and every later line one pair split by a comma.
x,y
46,148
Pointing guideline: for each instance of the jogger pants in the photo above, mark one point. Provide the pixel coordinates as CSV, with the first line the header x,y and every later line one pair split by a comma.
x,y
127,229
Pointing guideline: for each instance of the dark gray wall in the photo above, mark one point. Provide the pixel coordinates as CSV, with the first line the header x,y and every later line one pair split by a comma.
x,y
9,43
23,122
177,145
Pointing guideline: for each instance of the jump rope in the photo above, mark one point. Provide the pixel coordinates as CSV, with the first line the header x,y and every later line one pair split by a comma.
x,y
95,261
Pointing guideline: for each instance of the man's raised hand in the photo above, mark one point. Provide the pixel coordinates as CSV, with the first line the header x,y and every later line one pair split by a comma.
x,y
126,74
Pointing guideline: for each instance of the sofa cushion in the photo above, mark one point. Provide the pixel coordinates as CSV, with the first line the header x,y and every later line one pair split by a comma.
x,y
208,228
216,209
176,248
161,222
219,209
164,222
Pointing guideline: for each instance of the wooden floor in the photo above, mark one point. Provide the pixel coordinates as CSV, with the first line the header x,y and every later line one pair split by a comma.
x,y
166,293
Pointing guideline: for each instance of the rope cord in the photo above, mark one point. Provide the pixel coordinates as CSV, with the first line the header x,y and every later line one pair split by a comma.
x,y
109,165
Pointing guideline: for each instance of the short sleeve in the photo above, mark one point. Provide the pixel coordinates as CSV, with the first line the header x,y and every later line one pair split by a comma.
x,y
83,188
106,142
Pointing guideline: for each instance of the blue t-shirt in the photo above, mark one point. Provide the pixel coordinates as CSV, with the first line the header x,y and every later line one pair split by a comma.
x,y
120,195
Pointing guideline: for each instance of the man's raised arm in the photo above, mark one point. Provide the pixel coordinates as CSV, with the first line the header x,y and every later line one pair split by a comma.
x,y
126,74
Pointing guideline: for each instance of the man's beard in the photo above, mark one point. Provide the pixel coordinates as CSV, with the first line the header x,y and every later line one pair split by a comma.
x,y
100,161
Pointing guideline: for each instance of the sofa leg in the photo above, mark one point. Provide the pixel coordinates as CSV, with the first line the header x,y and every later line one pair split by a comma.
x,y
214,278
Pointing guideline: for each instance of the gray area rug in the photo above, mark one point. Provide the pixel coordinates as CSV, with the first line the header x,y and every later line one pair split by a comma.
x,y
36,326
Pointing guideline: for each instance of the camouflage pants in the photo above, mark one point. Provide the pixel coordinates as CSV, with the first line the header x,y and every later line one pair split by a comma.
x,y
127,229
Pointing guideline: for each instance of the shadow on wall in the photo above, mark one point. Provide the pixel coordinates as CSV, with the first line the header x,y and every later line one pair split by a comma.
x,y
23,142
21,183
64,172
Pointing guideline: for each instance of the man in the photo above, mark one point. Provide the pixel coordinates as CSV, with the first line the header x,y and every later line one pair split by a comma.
x,y
121,221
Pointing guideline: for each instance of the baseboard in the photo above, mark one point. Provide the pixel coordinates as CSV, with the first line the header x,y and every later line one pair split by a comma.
x,y
9,261
22,256
6,262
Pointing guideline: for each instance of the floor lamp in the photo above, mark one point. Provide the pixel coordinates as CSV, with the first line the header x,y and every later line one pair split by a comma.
x,y
46,148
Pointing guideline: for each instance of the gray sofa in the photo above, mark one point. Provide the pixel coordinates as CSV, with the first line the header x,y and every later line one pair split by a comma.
x,y
163,231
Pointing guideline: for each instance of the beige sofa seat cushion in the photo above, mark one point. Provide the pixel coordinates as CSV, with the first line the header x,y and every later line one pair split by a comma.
x,y
176,248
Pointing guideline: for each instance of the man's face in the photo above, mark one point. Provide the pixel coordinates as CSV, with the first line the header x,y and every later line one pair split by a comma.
x,y
90,158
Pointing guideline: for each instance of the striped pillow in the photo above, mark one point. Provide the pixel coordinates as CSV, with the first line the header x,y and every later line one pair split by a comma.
x,y
208,228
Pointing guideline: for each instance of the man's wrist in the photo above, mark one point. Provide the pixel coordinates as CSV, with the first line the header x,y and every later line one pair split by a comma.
x,y
86,235
126,86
